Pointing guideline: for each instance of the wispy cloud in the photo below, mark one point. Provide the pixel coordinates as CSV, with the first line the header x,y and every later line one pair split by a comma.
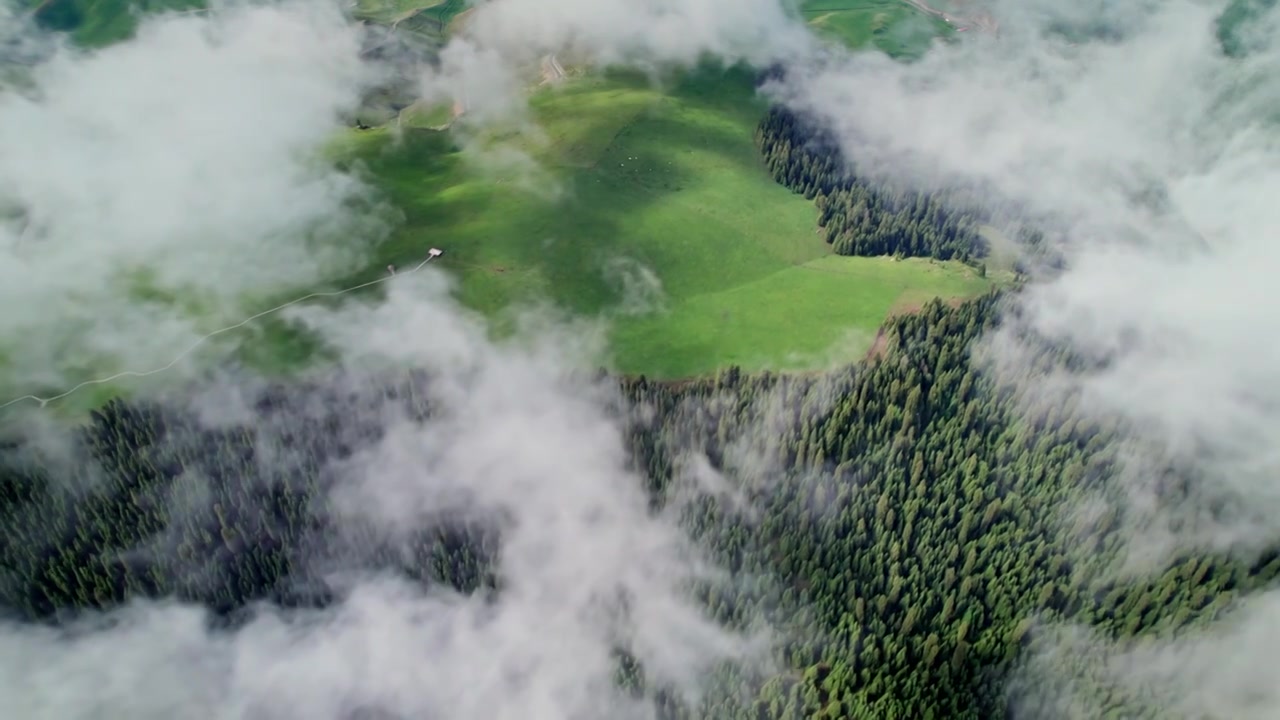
x,y
181,164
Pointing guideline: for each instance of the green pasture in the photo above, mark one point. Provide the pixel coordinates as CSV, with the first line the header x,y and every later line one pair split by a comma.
x,y
388,11
607,183
97,23
622,175
425,17
892,26
801,317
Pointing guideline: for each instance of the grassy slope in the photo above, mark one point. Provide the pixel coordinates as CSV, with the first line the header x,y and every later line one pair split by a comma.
x,y
430,19
802,317
96,23
388,11
673,181
669,179
891,26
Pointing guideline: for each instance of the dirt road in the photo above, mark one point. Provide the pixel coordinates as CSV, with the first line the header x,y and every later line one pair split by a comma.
x,y
552,70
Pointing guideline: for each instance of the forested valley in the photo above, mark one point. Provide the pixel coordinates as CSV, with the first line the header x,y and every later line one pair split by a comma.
x,y
907,509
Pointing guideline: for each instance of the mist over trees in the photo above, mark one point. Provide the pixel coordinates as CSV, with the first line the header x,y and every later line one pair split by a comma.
x,y
908,521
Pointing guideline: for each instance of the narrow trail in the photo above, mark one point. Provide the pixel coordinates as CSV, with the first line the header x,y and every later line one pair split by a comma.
x,y
552,70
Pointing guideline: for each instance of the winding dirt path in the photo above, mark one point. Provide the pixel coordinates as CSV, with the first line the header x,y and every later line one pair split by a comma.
x,y
552,70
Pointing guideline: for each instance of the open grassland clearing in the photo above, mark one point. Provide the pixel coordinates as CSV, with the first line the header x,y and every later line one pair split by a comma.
x,y
390,11
644,205
892,26
429,18
97,23
651,208
648,208
803,317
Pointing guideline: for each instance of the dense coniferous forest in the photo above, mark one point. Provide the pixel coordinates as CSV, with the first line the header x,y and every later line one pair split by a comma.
x,y
907,520
862,216
918,524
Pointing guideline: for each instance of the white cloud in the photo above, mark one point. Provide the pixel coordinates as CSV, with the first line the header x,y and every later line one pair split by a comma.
x,y
185,160
502,40
632,31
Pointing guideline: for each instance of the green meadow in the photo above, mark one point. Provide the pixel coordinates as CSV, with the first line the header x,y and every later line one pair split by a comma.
x,y
802,317
622,183
426,18
891,26
97,23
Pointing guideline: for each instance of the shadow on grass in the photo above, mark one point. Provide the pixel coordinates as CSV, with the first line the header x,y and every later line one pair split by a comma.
x,y
557,249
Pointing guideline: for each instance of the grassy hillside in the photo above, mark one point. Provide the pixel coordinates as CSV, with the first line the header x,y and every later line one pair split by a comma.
x,y
802,317
668,182
645,206
95,23
427,19
891,26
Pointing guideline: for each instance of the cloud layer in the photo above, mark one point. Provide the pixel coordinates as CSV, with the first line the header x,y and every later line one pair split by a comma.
x,y
180,165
